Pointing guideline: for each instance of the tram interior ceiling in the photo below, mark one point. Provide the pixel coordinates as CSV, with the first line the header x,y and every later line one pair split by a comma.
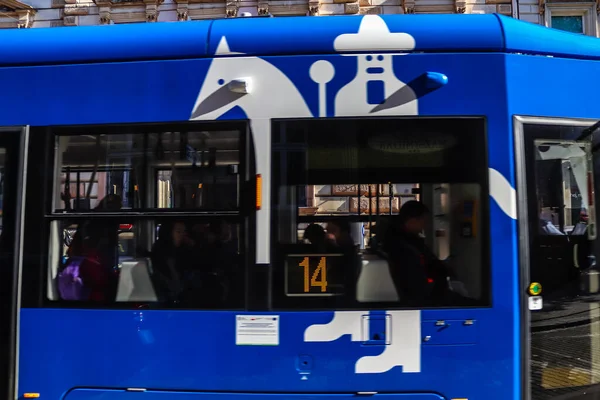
x,y
187,169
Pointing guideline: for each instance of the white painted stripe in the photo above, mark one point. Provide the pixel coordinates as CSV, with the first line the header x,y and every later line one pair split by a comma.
x,y
261,133
503,193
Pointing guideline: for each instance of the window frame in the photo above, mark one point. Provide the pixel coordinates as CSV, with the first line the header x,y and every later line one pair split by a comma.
x,y
523,226
585,10
485,301
76,130
40,206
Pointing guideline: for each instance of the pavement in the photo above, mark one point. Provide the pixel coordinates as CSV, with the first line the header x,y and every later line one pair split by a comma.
x,y
565,349
566,312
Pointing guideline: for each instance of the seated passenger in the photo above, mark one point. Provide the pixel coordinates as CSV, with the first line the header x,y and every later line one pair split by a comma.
x,y
548,228
339,231
214,276
94,250
170,255
378,231
315,235
420,278
226,274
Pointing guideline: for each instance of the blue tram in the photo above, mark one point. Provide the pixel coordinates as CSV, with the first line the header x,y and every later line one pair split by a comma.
x,y
162,221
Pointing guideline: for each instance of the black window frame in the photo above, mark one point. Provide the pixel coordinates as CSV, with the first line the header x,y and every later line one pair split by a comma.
x,y
280,302
40,212
526,129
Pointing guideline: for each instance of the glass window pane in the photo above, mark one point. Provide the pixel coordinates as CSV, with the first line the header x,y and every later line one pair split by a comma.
x,y
172,263
562,169
339,188
175,170
572,23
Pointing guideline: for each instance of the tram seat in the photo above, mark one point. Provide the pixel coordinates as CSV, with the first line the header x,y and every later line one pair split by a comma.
x,y
135,283
375,282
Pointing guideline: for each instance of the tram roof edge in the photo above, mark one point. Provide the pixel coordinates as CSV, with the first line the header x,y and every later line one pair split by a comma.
x,y
529,38
104,43
290,36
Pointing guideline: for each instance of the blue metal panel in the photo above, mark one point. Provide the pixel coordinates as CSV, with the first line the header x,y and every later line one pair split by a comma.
x,y
195,350
451,332
529,38
93,394
558,88
260,36
104,43
123,92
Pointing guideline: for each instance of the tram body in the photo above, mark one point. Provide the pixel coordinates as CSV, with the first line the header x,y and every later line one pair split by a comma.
x,y
500,83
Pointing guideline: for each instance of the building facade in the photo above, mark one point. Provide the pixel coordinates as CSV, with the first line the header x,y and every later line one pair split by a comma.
x,y
575,16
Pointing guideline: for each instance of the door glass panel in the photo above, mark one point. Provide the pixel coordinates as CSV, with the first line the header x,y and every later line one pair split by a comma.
x,y
5,287
562,287
561,175
8,182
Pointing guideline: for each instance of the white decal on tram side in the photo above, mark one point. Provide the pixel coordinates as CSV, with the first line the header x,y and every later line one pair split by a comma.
x,y
503,193
404,348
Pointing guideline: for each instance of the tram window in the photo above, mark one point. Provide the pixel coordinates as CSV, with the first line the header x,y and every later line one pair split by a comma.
x,y
560,207
340,237
191,170
562,173
174,263
172,229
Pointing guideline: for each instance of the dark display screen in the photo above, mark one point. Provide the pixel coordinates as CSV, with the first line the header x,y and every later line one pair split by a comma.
x,y
314,274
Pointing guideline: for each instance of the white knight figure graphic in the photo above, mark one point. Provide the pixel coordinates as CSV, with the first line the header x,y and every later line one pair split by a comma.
x,y
375,90
264,92
269,92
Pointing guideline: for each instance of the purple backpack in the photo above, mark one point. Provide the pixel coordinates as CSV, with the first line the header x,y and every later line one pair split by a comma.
x,y
69,281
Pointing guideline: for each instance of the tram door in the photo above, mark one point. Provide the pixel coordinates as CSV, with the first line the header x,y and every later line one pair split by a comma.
x,y
13,144
558,246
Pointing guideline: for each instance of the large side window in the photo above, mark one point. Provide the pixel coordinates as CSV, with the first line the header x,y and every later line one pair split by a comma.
x,y
390,213
148,214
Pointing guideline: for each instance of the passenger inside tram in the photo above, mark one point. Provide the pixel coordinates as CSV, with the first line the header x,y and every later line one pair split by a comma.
x,y
128,255
365,176
181,241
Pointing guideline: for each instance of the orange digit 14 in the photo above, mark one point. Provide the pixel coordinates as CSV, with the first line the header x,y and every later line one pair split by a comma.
x,y
314,280
322,268
305,264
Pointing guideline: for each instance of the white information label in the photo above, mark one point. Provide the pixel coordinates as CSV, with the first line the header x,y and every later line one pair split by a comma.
x,y
257,330
535,303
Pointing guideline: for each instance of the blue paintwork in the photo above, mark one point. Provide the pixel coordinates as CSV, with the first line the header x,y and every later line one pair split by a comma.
x,y
431,32
91,394
104,43
255,36
528,38
195,350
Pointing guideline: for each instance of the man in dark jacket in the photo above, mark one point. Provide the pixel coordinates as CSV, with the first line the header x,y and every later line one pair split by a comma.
x,y
421,279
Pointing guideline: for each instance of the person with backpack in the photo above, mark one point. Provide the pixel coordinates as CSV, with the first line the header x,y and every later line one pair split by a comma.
x,y
90,271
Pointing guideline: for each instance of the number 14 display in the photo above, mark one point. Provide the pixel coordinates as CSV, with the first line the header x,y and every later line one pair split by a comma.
x,y
314,280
